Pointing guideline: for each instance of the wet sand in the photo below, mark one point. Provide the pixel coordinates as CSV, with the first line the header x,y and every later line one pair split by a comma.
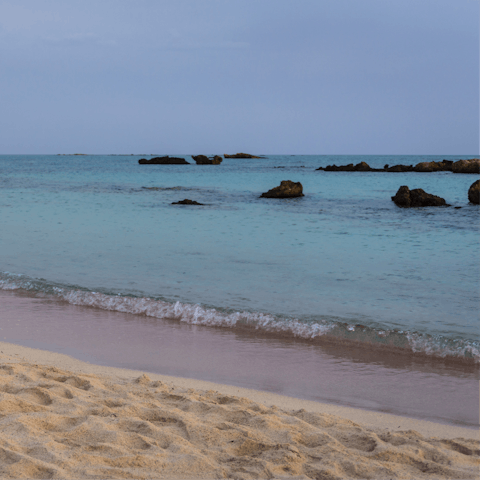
x,y
337,375
63,418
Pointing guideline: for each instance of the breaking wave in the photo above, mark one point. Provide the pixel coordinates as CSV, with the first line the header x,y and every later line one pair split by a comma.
x,y
318,331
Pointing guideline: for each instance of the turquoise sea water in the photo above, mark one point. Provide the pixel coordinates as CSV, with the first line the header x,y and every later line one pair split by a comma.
x,y
101,231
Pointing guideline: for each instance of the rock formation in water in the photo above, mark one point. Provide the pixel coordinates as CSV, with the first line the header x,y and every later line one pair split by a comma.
x,y
467,166
186,202
360,167
286,189
163,161
461,166
204,160
443,166
474,193
399,168
240,155
417,198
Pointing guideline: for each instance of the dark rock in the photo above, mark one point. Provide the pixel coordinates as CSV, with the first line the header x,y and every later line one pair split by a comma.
x,y
335,168
362,167
163,161
402,197
359,167
467,166
186,202
347,168
287,189
204,160
443,166
340,168
201,159
401,168
240,155
427,167
474,193
448,164
417,198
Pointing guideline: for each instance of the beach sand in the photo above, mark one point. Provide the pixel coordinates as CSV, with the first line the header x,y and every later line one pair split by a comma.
x,y
63,418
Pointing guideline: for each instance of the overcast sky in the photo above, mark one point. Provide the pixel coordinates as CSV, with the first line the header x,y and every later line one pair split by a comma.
x,y
260,76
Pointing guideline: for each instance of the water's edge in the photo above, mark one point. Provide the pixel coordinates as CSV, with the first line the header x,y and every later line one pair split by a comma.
x,y
319,332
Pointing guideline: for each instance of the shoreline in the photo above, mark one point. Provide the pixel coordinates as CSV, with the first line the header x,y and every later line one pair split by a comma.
x,y
13,353
333,375
342,335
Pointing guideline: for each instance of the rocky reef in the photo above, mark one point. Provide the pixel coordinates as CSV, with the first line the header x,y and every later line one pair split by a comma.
x,y
461,166
164,161
417,198
187,201
240,155
204,160
474,193
286,189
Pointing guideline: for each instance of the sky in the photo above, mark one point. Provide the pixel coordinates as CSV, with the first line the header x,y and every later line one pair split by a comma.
x,y
225,76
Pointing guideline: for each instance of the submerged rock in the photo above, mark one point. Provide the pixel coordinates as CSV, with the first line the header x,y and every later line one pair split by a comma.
x,y
186,202
204,160
240,155
467,166
286,189
164,161
417,198
474,193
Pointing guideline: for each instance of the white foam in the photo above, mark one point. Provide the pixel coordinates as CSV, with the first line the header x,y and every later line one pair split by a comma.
x,y
442,347
194,314
198,315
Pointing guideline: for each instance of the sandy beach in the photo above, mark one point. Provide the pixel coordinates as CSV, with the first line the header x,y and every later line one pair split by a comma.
x,y
63,418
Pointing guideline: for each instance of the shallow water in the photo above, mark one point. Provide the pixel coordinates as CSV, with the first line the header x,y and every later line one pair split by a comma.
x,y
358,377
341,256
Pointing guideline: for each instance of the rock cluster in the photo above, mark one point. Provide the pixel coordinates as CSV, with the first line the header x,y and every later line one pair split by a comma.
x,y
396,168
417,198
286,189
240,155
359,167
186,202
467,166
204,160
461,166
474,193
163,161
443,166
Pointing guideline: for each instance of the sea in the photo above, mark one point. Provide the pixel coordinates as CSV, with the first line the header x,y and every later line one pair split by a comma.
x,y
340,278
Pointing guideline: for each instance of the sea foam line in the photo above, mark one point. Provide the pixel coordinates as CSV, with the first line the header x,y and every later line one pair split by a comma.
x,y
194,314
435,346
